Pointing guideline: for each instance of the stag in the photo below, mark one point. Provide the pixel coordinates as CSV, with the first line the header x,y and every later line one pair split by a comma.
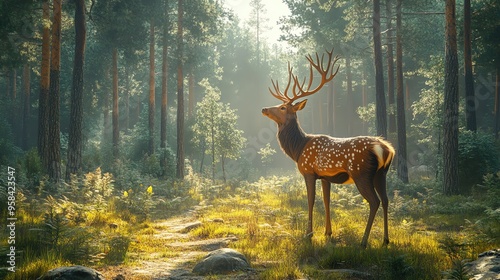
x,y
362,160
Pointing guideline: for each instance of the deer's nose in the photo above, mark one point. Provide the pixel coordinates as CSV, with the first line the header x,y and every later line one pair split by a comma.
x,y
264,111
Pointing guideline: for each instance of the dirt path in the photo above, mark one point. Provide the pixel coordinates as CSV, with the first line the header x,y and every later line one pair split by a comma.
x,y
176,259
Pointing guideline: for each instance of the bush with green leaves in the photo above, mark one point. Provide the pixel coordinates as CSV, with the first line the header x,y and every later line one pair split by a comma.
x,y
479,154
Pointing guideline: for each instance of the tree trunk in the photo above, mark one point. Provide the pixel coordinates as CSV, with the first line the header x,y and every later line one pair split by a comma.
x,y
364,95
191,95
223,163
164,99
14,84
27,104
126,95
390,68
450,136
497,102
75,144
381,114
470,100
151,142
402,167
180,94
105,116
116,128
54,143
213,146
350,97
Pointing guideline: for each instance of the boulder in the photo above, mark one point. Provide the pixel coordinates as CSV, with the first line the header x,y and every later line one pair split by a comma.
x,y
222,261
486,267
72,273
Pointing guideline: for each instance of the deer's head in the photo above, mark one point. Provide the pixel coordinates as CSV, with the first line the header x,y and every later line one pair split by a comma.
x,y
282,113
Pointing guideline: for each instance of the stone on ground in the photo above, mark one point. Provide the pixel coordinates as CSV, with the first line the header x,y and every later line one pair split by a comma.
x,y
222,261
72,273
486,267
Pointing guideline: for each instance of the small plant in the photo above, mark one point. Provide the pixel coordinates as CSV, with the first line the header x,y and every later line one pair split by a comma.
x,y
459,271
118,247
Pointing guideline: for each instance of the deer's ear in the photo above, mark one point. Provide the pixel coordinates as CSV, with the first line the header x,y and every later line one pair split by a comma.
x,y
299,106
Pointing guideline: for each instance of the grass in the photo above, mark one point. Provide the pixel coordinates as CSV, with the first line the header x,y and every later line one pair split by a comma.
x,y
271,231
429,233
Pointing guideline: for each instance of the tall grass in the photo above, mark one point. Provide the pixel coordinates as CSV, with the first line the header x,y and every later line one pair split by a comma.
x,y
274,213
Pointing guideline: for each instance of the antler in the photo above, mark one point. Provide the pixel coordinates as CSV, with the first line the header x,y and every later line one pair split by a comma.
x,y
326,76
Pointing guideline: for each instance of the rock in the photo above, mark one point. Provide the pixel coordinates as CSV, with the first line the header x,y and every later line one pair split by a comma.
x,y
486,267
192,226
72,273
222,261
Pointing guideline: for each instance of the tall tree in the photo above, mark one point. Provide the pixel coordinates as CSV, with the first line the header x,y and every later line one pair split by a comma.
x,y
402,167
27,104
43,99
75,144
381,112
164,96
390,67
470,102
54,143
450,135
180,93
115,120
151,142
258,21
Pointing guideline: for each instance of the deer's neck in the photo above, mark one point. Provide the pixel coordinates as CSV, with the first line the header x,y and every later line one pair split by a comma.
x,y
292,139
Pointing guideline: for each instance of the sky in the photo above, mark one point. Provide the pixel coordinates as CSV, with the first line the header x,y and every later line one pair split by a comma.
x,y
274,10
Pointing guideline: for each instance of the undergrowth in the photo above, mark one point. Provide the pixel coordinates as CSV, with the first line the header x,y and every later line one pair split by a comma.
x,y
99,220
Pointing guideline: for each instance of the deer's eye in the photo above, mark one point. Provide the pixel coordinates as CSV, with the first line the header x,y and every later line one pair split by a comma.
x,y
282,108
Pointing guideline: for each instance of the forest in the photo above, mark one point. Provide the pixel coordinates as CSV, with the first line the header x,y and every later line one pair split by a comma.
x,y
133,140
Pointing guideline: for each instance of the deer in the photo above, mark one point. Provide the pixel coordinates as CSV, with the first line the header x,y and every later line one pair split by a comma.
x,y
362,160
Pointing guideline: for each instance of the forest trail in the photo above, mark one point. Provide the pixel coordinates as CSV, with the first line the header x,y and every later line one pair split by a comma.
x,y
177,251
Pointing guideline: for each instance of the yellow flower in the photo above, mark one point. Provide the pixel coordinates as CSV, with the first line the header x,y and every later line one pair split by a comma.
x,y
150,190
125,194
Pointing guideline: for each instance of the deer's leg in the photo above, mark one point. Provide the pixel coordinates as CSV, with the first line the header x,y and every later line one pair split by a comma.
x,y
380,186
367,190
311,192
326,200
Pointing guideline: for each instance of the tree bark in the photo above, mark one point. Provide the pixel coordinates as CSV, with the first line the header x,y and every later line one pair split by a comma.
x,y
470,100
75,144
390,68
43,99
151,142
350,97
126,96
116,127
27,104
402,167
164,99
450,135
180,94
14,84
497,103
54,143
191,95
380,106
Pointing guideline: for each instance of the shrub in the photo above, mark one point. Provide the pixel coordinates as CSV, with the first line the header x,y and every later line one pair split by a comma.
x,y
478,155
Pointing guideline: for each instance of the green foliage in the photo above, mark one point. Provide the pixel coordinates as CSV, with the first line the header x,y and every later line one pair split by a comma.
x,y
118,247
459,271
215,131
479,154
8,151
